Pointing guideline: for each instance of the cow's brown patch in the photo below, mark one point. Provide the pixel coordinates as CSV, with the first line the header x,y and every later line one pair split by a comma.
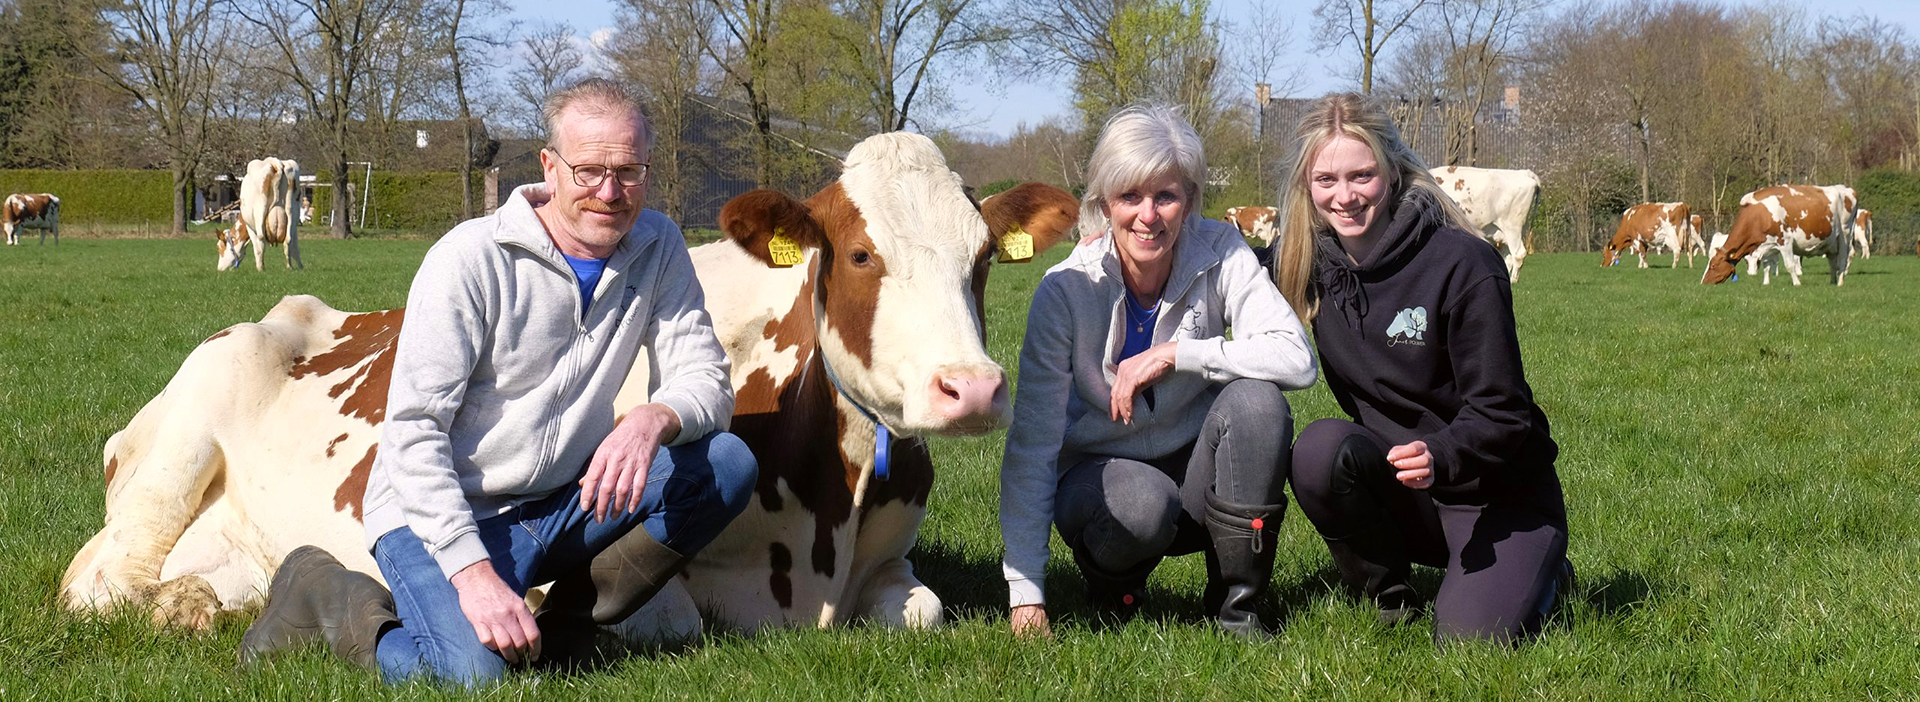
x,y
780,580
911,481
852,284
796,326
113,466
335,442
218,334
366,341
353,490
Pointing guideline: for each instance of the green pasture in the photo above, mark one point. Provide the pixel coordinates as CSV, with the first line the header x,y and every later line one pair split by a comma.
x,y
1739,463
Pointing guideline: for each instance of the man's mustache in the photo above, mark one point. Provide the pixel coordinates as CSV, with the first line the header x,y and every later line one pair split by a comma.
x,y
602,206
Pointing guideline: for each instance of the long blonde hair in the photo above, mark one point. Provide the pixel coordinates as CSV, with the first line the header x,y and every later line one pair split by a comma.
x,y
1337,115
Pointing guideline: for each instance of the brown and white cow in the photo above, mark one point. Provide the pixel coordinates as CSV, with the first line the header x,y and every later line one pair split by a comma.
x,y
1791,221
1863,234
1496,202
263,440
1696,243
1650,224
1253,222
268,196
31,211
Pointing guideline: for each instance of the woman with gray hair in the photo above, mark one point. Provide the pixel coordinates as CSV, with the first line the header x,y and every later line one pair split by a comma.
x,y
1140,429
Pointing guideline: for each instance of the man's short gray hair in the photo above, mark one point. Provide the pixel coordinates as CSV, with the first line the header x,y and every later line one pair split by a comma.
x,y
1138,144
596,97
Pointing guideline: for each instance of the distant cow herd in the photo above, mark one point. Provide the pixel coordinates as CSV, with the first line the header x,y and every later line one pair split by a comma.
x,y
1774,226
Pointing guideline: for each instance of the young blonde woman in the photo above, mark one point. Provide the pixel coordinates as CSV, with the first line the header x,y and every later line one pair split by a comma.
x,y
1447,461
1140,429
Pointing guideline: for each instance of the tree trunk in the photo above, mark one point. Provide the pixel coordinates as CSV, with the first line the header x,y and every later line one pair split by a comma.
x,y
182,197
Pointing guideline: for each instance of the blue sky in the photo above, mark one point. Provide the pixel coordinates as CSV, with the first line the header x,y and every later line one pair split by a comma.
x,y
997,106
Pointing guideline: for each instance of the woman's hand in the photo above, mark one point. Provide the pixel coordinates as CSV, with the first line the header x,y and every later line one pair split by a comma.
x,y
1030,620
1136,374
1413,465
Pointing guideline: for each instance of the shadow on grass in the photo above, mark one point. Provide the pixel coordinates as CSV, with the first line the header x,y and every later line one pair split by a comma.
x,y
1619,594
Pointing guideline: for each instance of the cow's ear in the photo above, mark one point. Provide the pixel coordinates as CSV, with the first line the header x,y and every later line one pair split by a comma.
x,y
770,226
1044,212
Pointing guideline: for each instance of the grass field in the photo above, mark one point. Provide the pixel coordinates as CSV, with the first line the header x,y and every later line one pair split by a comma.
x,y
1738,463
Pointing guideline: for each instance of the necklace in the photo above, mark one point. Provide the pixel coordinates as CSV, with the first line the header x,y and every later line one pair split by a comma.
x,y
1140,315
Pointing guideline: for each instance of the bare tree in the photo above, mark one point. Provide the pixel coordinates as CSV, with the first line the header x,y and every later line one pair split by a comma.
x,y
742,46
1366,24
165,55
325,47
462,38
553,60
894,46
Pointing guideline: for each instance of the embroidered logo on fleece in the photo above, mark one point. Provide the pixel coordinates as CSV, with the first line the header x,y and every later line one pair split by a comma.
x,y
1409,327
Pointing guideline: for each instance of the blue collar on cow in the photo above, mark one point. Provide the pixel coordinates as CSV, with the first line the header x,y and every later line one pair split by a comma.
x,y
882,437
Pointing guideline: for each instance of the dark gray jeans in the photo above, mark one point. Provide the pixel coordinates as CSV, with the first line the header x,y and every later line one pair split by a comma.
x,y
1502,559
1123,511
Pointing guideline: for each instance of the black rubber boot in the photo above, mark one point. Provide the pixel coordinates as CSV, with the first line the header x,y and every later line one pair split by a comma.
x,y
1372,559
1115,595
618,583
1243,539
314,598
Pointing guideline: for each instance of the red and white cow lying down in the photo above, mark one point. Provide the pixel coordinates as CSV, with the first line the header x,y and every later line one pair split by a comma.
x,y
1253,222
267,196
1497,202
1650,224
31,211
263,440
1791,221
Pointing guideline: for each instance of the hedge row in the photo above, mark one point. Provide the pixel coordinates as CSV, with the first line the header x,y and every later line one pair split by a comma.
x,y
108,197
413,200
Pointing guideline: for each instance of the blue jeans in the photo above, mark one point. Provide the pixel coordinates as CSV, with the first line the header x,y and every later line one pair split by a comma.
x,y
693,491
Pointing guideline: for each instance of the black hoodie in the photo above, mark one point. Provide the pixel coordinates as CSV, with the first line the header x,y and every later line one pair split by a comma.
x,y
1418,342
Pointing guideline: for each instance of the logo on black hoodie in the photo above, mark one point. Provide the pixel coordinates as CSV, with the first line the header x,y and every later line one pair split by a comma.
x,y
1408,327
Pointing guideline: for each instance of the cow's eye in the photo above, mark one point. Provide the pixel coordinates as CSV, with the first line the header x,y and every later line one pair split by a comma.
x,y
860,258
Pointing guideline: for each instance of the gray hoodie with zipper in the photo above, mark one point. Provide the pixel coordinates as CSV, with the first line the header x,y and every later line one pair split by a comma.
x,y
1074,331
502,389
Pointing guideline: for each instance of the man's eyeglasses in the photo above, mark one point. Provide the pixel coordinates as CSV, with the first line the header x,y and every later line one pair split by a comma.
x,y
593,174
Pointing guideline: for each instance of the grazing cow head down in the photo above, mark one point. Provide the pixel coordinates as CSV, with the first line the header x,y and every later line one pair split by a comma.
x,y
899,257
229,244
1780,216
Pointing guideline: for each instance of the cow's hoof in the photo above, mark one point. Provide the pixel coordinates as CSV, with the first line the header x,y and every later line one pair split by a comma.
x,y
186,602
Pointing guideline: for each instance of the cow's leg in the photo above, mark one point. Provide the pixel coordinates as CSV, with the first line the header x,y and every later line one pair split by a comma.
x,y
293,253
1517,252
259,254
892,595
1792,261
1837,264
212,558
12,238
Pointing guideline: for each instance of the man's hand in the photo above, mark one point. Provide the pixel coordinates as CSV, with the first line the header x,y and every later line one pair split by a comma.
x,y
1412,464
499,616
618,474
1136,374
1030,620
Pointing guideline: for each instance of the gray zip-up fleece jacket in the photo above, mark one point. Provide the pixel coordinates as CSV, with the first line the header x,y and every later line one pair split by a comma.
x,y
501,393
1075,328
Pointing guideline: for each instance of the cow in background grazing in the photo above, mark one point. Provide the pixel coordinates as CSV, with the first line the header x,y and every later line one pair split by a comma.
x,y
1650,224
854,321
269,195
37,211
1498,199
1253,222
1791,221
1863,234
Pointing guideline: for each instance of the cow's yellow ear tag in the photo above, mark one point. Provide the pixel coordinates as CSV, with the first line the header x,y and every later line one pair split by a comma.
x,y
784,251
1016,246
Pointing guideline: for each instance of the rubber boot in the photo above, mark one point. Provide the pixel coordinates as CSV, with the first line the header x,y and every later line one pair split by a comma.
x,y
314,598
618,582
1243,541
1372,560
1115,595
